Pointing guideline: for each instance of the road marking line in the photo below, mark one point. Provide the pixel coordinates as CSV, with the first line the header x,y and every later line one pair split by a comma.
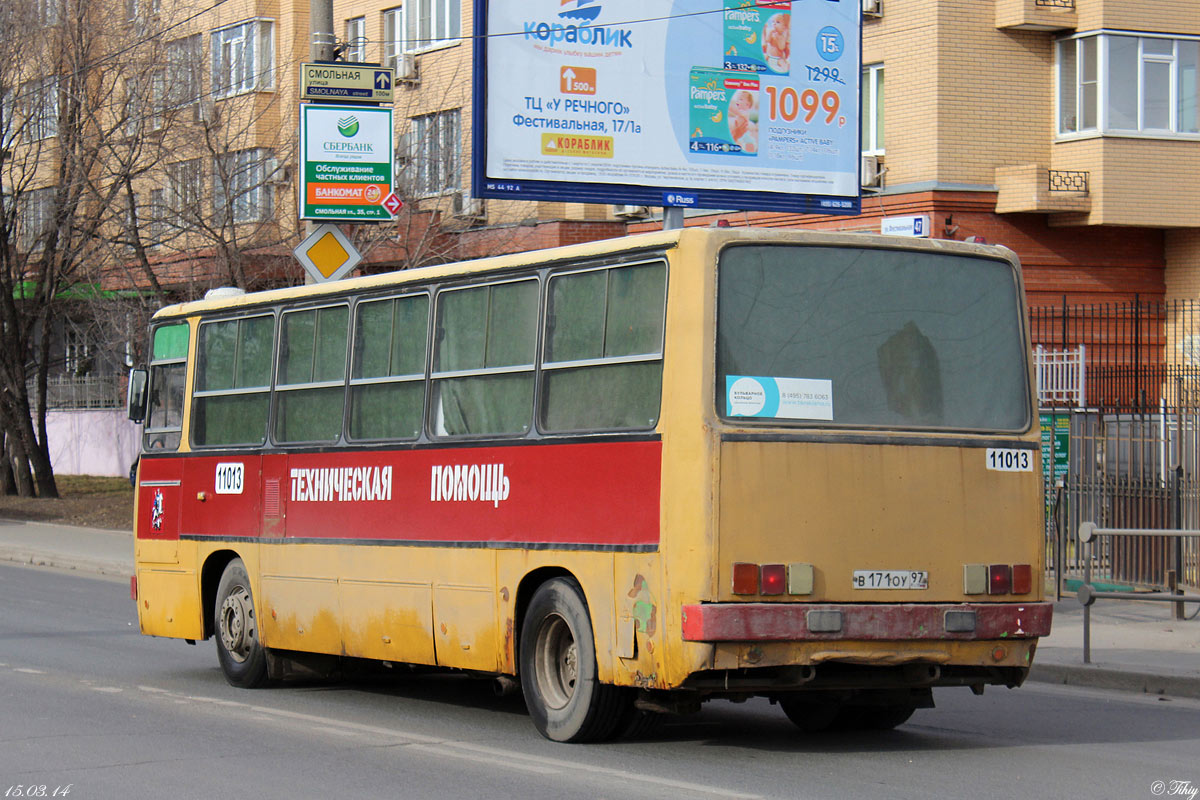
x,y
29,671
466,750
616,773
444,750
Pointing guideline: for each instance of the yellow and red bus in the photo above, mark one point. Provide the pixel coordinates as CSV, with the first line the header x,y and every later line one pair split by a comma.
x,y
632,475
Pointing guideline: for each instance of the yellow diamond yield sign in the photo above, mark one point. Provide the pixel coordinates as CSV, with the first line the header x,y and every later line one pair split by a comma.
x,y
326,254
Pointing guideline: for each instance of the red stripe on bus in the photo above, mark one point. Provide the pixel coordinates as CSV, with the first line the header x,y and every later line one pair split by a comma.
x,y
601,493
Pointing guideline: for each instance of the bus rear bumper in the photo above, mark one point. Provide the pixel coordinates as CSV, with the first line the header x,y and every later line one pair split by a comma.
x,y
800,622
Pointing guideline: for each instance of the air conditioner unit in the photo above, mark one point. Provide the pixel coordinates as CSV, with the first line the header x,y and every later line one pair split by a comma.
x,y
467,207
631,212
406,68
872,8
871,175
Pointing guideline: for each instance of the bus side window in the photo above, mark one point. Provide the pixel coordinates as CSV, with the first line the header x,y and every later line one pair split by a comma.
x,y
233,381
310,387
483,365
603,362
387,380
163,425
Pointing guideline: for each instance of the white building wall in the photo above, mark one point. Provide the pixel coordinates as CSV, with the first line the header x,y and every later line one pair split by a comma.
x,y
92,442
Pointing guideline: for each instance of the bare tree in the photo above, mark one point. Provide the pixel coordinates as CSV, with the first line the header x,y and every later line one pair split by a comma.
x,y
55,117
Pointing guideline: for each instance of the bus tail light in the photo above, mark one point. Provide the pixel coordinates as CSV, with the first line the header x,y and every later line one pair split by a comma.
x,y
133,588
999,579
774,578
1022,579
745,578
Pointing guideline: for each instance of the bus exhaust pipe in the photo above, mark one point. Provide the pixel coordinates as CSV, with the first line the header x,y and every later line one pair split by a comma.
x,y
504,686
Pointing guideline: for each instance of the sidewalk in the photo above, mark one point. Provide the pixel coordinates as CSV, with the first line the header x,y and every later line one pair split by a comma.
x,y
85,549
1136,646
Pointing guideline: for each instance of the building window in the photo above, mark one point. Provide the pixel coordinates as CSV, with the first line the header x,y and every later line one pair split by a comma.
x,y
183,71
183,183
40,108
77,352
242,186
393,36
35,212
436,153
872,110
421,24
1123,83
356,40
49,12
145,102
157,213
243,58
140,10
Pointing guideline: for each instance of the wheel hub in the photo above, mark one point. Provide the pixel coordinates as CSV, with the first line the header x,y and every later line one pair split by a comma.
x,y
236,625
557,663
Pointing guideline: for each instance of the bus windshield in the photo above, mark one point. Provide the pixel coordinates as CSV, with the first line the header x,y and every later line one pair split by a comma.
x,y
870,338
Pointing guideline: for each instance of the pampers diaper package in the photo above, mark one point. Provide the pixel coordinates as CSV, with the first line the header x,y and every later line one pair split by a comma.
x,y
724,112
758,36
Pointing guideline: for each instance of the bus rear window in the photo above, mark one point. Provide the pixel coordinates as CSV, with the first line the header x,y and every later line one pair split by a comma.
x,y
870,337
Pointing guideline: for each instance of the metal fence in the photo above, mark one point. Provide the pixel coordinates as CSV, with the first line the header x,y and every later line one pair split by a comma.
x,y
1133,456
82,392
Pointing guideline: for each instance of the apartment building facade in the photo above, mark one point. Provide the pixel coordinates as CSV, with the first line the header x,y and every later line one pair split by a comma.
x,y
1067,130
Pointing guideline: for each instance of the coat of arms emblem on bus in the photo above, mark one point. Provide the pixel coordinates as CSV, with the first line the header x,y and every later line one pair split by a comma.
x,y
156,511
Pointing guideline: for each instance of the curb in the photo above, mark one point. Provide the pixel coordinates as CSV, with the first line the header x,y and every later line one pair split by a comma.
x,y
1099,677
32,558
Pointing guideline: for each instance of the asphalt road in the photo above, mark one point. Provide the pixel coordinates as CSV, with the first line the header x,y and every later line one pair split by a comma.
x,y
87,703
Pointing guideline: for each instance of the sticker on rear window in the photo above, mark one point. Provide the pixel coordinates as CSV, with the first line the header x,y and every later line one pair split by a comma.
x,y
778,398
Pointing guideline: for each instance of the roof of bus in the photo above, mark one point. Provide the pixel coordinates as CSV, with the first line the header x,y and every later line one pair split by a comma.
x,y
661,240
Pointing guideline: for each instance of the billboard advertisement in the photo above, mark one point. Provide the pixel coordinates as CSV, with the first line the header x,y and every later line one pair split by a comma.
x,y
731,104
348,162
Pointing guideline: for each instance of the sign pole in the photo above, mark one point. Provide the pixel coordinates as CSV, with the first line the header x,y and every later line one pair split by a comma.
x,y
320,48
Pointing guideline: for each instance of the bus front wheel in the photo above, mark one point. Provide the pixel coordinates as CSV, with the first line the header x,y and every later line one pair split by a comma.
x,y
242,657
558,668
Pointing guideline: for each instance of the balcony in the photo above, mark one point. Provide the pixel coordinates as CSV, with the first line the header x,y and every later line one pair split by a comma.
x,y
1036,15
1032,188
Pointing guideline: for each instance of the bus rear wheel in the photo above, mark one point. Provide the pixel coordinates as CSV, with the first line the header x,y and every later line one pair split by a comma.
x,y
558,668
810,716
884,718
239,649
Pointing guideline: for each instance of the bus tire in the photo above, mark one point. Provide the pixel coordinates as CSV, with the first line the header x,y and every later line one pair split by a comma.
x,y
239,648
558,668
884,718
810,716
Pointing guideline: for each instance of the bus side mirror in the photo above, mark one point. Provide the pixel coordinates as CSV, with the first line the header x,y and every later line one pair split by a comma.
x,y
136,401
